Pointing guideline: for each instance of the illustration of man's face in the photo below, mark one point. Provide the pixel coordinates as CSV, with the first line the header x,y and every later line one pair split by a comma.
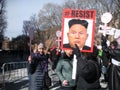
x,y
77,35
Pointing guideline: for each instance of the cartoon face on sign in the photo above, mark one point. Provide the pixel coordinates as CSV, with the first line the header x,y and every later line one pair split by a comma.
x,y
77,31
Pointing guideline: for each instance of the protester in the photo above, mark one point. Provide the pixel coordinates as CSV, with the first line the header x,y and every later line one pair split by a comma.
x,y
88,70
38,67
105,58
54,56
114,69
64,71
104,62
77,34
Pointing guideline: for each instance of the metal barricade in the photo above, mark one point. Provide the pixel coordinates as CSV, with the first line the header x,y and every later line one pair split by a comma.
x,y
13,72
54,78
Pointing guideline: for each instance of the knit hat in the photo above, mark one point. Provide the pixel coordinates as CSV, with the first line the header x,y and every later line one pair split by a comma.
x,y
41,45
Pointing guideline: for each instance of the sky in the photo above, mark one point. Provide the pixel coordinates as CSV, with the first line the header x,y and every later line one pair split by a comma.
x,y
19,10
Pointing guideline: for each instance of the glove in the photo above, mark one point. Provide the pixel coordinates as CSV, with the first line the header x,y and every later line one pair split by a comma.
x,y
80,57
76,51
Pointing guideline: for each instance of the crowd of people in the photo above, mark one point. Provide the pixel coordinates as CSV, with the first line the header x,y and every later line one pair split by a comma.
x,y
89,68
89,65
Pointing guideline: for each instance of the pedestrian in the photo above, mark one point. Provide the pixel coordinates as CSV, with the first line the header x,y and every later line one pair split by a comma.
x,y
114,69
64,71
105,58
88,70
54,56
38,63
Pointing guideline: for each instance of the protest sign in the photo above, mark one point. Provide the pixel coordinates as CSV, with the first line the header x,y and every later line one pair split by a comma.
x,y
76,16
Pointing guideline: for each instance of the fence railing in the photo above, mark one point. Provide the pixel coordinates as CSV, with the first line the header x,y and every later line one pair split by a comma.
x,y
14,71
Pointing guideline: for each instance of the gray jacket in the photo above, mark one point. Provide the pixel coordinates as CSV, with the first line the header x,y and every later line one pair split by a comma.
x,y
64,71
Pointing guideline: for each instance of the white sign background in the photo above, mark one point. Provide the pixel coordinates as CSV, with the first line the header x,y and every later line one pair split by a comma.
x,y
89,31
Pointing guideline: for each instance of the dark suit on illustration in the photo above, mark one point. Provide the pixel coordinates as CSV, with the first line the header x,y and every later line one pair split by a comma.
x,y
68,46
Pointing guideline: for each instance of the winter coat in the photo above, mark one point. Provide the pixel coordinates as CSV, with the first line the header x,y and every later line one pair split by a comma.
x,y
64,71
88,76
54,56
114,70
38,67
88,70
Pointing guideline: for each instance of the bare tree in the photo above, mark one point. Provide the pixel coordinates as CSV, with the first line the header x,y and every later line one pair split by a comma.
x,y
3,23
116,14
101,6
2,17
50,16
70,4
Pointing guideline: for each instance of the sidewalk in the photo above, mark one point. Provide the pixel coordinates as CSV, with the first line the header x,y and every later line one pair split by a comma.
x,y
18,85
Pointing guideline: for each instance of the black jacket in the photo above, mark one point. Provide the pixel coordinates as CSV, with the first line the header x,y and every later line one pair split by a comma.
x,y
88,70
88,74
114,71
115,53
38,67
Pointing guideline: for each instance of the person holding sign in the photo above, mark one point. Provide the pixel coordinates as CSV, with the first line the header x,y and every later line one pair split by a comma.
x,y
64,71
77,34
114,67
88,69
38,67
